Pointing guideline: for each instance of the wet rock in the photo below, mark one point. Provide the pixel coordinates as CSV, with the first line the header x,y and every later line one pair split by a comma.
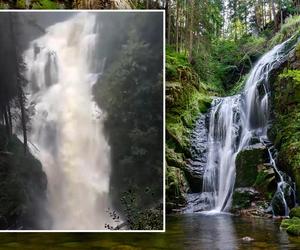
x,y
194,174
279,204
199,139
23,189
197,202
266,180
195,166
247,238
246,164
243,197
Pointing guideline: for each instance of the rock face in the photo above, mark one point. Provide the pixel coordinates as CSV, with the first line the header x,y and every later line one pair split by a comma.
x,y
23,187
247,162
198,149
286,115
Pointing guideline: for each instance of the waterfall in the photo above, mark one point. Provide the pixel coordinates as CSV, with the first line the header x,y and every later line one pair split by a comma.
x,y
233,122
66,125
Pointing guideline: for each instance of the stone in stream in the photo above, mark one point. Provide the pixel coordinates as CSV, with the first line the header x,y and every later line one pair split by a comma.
x,y
247,238
246,164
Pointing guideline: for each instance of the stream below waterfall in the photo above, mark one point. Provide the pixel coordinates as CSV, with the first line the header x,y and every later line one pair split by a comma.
x,y
188,231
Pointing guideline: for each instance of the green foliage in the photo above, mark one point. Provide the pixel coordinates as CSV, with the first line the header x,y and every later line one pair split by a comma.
x,y
294,74
131,94
141,219
233,59
46,4
175,62
291,27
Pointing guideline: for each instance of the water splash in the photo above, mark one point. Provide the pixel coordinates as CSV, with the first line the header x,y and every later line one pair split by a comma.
x,y
67,124
234,121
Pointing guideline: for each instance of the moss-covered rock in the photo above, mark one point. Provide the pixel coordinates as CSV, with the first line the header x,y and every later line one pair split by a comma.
x,y
247,162
292,225
286,126
294,229
243,197
176,187
295,212
288,222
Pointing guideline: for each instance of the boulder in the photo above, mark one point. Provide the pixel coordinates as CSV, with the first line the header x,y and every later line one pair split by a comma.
x,y
295,212
243,197
246,164
292,226
266,180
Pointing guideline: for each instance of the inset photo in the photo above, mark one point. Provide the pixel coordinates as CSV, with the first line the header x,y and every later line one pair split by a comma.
x,y
81,125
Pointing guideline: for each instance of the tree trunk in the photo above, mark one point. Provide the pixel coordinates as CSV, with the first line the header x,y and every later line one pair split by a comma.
x,y
274,15
21,98
177,26
191,30
168,8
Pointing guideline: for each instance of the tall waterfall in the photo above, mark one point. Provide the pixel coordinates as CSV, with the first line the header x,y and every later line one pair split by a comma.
x,y
66,124
233,122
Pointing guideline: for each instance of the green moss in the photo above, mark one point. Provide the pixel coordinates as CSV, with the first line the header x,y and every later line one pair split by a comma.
x,y
295,212
286,127
288,222
186,98
294,229
21,4
175,185
246,165
45,4
241,200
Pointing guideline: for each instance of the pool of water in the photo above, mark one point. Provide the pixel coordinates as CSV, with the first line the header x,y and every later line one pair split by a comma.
x,y
189,231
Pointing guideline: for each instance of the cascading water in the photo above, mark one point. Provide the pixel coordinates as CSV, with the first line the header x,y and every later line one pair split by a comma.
x,y
234,122
66,125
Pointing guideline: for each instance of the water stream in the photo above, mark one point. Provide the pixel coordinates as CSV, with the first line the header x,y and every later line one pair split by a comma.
x,y
66,124
234,123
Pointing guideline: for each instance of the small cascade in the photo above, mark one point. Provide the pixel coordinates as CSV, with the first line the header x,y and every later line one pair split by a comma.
x,y
234,123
